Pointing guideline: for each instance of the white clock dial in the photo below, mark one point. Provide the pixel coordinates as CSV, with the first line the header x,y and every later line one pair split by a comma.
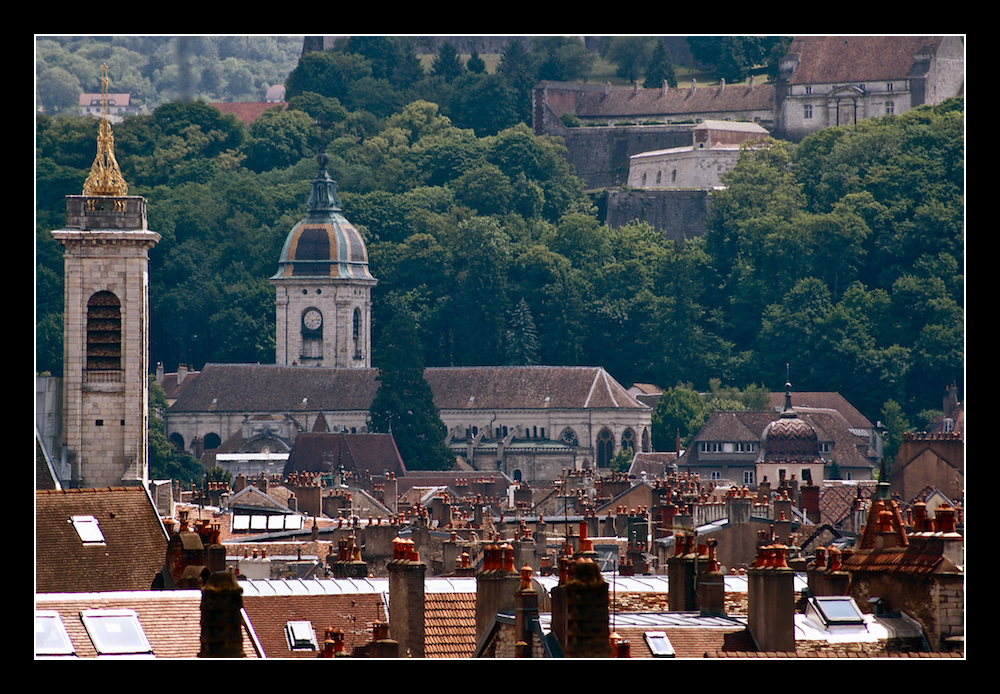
x,y
313,319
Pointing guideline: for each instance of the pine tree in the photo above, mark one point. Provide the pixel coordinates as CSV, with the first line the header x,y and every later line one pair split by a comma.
x,y
522,337
447,63
660,69
404,404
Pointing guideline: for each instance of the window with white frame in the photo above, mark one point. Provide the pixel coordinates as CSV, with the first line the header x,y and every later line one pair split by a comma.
x,y
709,447
51,638
301,636
748,478
890,108
746,447
807,111
716,475
116,632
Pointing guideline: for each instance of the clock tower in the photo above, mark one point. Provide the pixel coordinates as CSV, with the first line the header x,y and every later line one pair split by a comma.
x,y
106,325
323,287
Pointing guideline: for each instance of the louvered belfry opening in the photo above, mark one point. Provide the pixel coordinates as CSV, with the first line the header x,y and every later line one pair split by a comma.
x,y
104,332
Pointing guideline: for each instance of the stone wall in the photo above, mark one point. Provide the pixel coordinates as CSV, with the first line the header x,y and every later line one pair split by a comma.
x,y
600,155
679,214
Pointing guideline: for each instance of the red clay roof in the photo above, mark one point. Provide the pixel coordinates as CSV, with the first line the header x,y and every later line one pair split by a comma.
x,y
856,59
449,625
171,619
354,613
248,112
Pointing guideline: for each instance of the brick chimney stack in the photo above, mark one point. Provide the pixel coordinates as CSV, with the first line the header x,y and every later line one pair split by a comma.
x,y
221,619
525,614
496,585
406,598
587,609
771,598
712,585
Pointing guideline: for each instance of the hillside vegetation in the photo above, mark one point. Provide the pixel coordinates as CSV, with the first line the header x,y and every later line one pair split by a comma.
x,y
842,256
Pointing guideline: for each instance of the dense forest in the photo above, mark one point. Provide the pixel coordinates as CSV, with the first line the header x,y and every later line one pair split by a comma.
x,y
840,259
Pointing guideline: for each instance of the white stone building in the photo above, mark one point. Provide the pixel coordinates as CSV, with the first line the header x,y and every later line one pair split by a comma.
x,y
714,150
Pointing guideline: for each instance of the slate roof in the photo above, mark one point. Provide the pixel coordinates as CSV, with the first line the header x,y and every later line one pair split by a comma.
x,y
272,388
823,400
527,387
850,450
691,635
856,59
374,453
170,619
133,551
626,101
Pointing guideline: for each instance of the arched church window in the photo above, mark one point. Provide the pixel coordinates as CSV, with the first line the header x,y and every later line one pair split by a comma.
x,y
628,439
104,332
605,448
568,436
212,440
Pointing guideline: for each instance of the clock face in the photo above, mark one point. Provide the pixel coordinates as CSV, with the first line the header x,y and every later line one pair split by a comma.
x,y
312,319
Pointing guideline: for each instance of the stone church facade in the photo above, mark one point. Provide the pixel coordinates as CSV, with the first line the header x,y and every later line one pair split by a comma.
x,y
528,422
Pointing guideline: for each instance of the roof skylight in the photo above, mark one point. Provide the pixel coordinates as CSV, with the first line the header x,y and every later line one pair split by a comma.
x,y
837,609
88,529
301,636
116,632
51,638
659,644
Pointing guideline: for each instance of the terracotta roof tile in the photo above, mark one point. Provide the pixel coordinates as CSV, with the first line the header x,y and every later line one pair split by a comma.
x,y
856,59
133,551
170,619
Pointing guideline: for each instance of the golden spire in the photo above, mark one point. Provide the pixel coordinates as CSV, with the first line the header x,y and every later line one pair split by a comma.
x,y
105,177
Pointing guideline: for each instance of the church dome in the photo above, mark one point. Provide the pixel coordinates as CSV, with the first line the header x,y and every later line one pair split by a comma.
x,y
324,244
789,438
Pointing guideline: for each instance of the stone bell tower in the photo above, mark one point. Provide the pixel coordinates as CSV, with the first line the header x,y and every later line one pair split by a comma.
x,y
323,287
106,324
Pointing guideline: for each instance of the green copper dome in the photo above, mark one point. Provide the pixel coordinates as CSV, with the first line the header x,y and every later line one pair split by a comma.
x,y
324,244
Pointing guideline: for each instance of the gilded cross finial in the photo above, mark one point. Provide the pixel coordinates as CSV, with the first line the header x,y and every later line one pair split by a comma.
x,y
105,177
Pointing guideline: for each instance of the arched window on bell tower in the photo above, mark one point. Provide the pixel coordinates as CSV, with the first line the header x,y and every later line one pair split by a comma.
x,y
357,334
104,332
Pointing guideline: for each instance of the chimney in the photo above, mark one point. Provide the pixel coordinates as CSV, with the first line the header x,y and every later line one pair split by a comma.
x,y
694,85
221,617
722,86
635,87
681,575
664,88
406,598
525,614
587,634
712,585
750,87
159,372
496,585
607,88
382,646
771,600
182,372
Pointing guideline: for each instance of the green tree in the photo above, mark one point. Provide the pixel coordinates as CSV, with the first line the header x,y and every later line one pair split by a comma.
x,y
895,424
622,460
561,58
630,54
475,64
678,413
660,70
522,337
485,103
516,68
447,63
165,461
58,90
404,405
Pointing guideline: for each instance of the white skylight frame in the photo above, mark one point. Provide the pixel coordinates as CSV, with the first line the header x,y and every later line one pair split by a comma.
x,y
116,633
659,644
301,636
837,610
51,637
88,529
